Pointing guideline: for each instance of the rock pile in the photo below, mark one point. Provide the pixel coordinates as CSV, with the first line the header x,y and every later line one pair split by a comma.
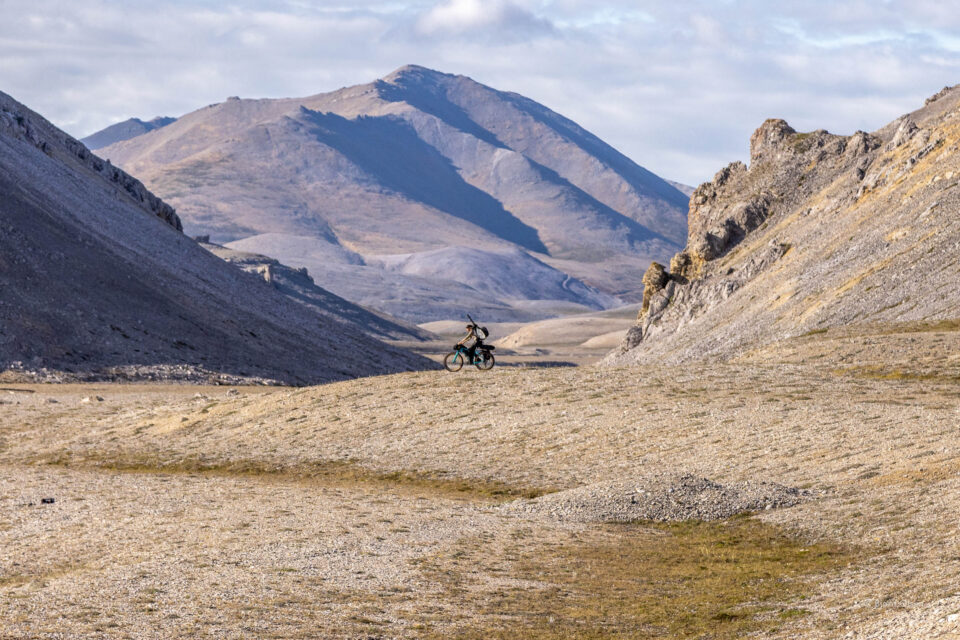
x,y
661,499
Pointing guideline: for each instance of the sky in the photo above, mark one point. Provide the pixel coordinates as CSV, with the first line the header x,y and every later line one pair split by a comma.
x,y
677,85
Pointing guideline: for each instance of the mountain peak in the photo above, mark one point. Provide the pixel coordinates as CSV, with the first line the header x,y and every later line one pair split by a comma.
x,y
415,71
129,128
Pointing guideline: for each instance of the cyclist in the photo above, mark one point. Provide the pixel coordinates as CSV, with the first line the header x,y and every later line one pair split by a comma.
x,y
471,341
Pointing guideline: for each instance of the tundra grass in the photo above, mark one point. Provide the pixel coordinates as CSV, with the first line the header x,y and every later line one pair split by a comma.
x,y
684,580
880,372
341,474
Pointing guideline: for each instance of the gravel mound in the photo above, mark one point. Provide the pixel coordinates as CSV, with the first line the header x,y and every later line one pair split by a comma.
x,y
664,499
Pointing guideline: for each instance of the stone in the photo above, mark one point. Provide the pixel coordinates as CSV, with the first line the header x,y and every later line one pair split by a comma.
x,y
633,338
654,280
940,94
905,132
766,142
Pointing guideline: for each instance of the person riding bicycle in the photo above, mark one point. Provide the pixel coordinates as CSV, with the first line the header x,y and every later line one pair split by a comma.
x,y
471,341
471,350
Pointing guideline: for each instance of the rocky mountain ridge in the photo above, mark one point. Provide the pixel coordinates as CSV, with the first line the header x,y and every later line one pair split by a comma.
x,y
819,231
18,122
125,130
97,281
414,163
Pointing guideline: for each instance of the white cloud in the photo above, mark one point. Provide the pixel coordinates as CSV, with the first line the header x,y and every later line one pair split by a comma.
x,y
481,17
459,15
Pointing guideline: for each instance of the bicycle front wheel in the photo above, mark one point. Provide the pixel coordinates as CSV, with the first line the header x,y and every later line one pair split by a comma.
x,y
453,361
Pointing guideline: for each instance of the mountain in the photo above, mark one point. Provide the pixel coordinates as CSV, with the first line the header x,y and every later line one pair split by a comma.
x,y
685,189
415,164
820,231
97,281
124,131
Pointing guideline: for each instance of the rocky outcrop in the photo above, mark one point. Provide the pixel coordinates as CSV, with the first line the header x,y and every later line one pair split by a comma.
x,y
654,280
820,229
298,285
767,142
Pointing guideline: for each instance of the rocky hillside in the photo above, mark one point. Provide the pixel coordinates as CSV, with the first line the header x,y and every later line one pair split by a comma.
x,y
99,282
297,284
820,231
404,168
444,283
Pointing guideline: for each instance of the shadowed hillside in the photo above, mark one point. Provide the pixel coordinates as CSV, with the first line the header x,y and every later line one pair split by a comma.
x,y
98,282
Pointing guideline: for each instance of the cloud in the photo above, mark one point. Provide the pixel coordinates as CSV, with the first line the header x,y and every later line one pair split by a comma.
x,y
679,87
488,17
460,15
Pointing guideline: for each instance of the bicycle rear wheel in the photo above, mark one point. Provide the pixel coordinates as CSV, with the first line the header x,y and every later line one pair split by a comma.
x,y
453,361
485,361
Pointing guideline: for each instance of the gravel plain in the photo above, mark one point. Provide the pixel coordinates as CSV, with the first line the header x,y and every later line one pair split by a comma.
x,y
276,512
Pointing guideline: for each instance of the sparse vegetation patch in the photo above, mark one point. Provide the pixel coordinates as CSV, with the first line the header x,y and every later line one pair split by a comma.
x,y
328,473
684,580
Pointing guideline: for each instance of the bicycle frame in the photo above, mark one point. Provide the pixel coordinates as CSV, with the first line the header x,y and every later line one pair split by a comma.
x,y
462,353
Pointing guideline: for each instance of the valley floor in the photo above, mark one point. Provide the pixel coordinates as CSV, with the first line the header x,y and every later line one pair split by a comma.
x,y
374,508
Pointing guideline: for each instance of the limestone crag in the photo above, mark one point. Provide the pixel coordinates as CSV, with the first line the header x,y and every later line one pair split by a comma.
x,y
820,230
654,280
